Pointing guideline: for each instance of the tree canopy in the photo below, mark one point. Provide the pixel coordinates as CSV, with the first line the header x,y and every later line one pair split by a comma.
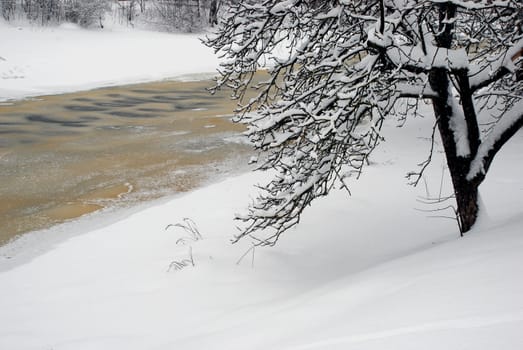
x,y
338,69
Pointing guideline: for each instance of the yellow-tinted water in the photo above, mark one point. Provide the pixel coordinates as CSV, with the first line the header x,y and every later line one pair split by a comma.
x,y
67,155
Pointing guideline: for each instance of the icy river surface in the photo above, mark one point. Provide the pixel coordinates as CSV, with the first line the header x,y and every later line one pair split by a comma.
x,y
65,156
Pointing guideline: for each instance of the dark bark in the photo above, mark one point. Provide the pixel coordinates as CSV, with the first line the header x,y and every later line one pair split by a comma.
x,y
213,12
465,92
466,192
467,200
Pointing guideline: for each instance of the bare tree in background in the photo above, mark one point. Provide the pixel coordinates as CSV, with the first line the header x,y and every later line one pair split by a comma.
x,y
8,8
213,12
186,15
350,65
43,12
170,15
85,12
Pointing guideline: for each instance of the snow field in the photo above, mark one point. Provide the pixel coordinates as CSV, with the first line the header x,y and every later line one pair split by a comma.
x,y
373,271
39,61
361,272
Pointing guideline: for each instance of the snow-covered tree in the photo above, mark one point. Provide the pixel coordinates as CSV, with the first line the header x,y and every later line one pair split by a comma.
x,y
346,66
186,15
8,8
43,11
85,12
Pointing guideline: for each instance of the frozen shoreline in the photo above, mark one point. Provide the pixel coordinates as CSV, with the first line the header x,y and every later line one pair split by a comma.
x,y
27,246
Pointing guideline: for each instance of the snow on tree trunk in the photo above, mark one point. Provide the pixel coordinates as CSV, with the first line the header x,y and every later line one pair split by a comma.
x,y
452,124
458,162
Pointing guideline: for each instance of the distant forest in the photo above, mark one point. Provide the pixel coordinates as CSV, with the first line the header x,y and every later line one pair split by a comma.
x,y
168,15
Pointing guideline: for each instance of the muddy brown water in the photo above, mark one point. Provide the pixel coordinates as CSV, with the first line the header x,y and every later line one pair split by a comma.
x,y
64,156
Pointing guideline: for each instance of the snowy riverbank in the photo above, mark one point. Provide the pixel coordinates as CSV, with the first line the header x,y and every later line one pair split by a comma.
x,y
362,272
373,271
39,61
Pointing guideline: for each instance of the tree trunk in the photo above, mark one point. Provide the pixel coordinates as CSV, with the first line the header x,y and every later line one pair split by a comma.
x,y
466,192
467,200
213,12
198,7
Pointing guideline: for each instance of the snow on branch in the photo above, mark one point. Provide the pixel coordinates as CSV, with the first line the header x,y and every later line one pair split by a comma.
x,y
335,70
503,130
496,66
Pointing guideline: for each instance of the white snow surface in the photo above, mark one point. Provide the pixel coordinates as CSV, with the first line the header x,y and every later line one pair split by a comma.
x,y
377,270
39,61
362,272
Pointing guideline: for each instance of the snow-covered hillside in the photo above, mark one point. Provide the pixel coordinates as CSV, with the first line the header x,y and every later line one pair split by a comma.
x,y
37,61
362,272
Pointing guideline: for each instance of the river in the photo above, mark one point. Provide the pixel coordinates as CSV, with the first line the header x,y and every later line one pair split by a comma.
x,y
68,155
